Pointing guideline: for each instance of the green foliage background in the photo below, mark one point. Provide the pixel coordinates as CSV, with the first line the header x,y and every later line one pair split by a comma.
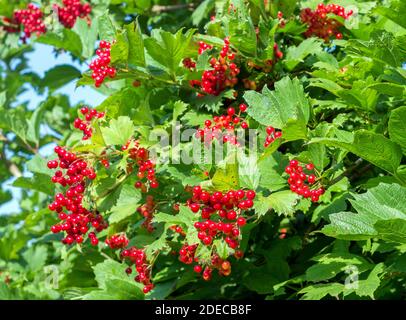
x,y
340,105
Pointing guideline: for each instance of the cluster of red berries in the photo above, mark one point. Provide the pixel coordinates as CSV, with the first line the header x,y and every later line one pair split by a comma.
x,y
228,206
77,220
203,47
297,180
31,19
272,135
187,256
222,127
146,168
101,66
142,267
320,25
117,241
223,266
147,211
104,159
223,73
72,10
85,125
187,253
76,169
189,63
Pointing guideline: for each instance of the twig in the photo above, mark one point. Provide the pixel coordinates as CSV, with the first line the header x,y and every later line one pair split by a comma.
x,y
347,172
12,167
159,9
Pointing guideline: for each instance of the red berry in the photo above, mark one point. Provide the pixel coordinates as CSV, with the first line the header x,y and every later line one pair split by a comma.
x,y
197,268
243,107
231,111
241,221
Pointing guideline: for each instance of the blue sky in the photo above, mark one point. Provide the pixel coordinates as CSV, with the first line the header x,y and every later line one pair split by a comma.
x,y
40,60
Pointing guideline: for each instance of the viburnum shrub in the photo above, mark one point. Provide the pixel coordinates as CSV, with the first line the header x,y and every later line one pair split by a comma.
x,y
233,149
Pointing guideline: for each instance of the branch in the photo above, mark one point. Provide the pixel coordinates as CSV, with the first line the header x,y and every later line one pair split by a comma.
x,y
347,172
159,9
12,167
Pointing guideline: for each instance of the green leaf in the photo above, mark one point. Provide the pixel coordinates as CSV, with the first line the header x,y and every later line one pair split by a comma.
x,y
87,36
393,230
368,286
296,55
114,283
282,202
241,29
390,89
127,204
282,107
107,30
119,131
386,202
397,127
202,11
271,170
36,257
185,217
3,98
39,182
370,146
393,15
319,291
14,120
248,171
136,54
33,132
120,49
37,164
331,264
226,176
59,76
168,49
67,40
324,210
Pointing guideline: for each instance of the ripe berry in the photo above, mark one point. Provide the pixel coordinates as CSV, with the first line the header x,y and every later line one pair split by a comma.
x,y
230,111
243,107
197,268
241,221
